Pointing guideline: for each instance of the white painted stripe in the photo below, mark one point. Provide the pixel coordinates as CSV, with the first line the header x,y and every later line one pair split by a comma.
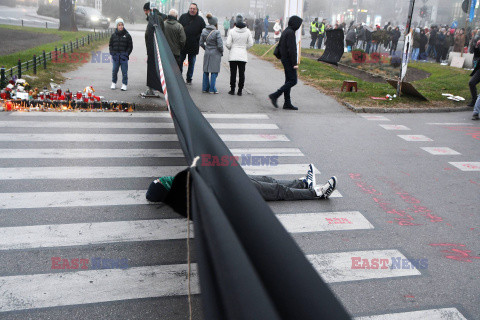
x,y
440,151
375,118
250,116
324,221
81,234
450,123
337,267
467,166
433,314
133,153
83,287
62,199
129,125
393,127
15,173
417,137
90,137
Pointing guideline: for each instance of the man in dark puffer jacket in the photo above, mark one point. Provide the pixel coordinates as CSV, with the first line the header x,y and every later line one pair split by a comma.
x,y
120,47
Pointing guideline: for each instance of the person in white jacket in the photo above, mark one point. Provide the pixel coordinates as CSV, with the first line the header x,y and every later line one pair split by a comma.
x,y
239,40
277,29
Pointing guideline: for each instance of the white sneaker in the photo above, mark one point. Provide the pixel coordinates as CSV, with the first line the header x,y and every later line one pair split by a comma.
x,y
311,182
113,86
323,192
124,87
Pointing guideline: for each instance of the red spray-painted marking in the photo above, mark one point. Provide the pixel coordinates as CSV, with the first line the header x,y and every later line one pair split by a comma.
x,y
474,182
417,207
470,166
454,253
471,131
402,219
338,220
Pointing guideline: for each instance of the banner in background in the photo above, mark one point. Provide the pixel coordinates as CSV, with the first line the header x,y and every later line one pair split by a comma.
x,y
249,265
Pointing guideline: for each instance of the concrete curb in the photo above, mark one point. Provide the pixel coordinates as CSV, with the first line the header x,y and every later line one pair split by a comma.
x,y
402,110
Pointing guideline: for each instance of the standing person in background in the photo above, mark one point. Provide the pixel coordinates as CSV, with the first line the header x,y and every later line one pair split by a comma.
x,y
232,23
314,33
350,39
432,40
175,36
368,37
120,47
361,37
239,40
277,31
211,42
321,33
288,56
423,45
440,44
154,19
193,25
258,28
265,29
395,37
416,44
226,26
458,41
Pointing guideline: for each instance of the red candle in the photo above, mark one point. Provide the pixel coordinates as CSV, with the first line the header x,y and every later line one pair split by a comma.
x,y
62,97
97,98
8,105
90,93
3,94
42,95
59,91
85,99
79,95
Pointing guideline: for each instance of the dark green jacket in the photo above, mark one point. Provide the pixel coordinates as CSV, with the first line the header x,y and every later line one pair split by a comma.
x,y
175,35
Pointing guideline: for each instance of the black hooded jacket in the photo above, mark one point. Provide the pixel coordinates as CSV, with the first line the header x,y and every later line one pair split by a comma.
x,y
193,26
288,41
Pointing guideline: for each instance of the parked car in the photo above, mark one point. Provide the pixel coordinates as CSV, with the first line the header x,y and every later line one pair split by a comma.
x,y
90,18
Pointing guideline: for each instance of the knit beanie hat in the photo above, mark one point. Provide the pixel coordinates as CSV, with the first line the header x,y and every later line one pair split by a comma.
x,y
119,20
156,192
239,19
146,6
213,21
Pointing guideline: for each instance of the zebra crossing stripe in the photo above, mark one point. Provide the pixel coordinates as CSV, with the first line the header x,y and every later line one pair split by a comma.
x,y
83,287
393,127
466,166
134,153
441,151
375,118
95,137
450,123
432,314
48,290
249,116
82,234
415,137
22,173
130,125
339,267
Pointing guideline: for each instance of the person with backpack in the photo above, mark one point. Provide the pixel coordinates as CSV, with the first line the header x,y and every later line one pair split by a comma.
x,y
120,47
211,42
286,51
239,40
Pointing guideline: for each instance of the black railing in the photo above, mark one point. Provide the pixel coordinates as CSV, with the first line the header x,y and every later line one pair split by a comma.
x,y
41,60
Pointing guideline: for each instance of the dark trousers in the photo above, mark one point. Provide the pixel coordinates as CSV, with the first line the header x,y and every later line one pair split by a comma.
x,y
394,47
290,81
274,190
314,39
320,40
241,74
179,61
191,64
474,80
226,33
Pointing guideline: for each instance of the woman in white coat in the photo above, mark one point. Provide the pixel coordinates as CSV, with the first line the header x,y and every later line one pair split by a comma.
x,y
239,40
277,29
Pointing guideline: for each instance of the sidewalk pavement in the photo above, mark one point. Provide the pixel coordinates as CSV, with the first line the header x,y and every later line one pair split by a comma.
x,y
262,78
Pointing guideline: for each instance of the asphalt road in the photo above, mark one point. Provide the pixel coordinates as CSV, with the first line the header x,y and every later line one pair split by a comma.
x,y
72,186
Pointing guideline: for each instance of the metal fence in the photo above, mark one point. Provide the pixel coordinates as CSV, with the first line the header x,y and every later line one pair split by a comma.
x,y
40,60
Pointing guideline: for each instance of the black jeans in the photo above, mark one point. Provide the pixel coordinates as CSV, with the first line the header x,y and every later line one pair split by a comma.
x,y
314,36
241,74
274,190
474,80
290,81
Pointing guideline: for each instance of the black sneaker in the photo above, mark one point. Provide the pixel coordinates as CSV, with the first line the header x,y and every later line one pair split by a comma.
x,y
289,106
231,92
324,192
273,99
189,82
475,117
239,92
471,104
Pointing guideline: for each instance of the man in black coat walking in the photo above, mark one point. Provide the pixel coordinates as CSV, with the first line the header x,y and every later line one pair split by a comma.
x,y
154,19
288,53
193,25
